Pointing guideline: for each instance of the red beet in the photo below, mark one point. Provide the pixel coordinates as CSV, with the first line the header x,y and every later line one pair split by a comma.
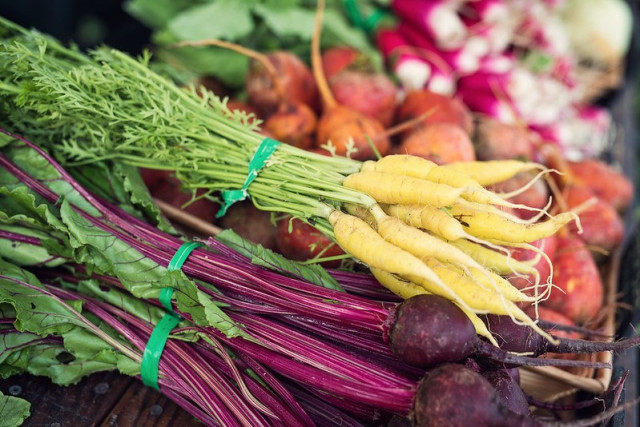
x,y
428,330
304,242
453,395
169,189
506,383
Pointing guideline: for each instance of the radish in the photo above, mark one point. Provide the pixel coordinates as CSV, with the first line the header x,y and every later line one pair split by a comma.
x,y
348,132
535,196
410,66
437,19
461,60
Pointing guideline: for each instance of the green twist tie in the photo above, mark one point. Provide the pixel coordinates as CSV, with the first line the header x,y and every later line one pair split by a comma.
x,y
259,159
160,334
368,24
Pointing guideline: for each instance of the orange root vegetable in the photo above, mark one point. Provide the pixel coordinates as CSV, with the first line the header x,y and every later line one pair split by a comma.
x,y
443,109
424,245
372,94
439,142
294,78
602,226
495,140
435,220
608,183
580,293
540,271
300,241
480,299
293,124
349,132
499,262
390,188
339,58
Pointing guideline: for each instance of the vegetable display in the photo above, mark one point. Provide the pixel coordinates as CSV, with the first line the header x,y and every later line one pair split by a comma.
x,y
257,341
109,106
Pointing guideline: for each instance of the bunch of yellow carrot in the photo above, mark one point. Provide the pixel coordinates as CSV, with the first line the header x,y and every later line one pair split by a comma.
x,y
437,229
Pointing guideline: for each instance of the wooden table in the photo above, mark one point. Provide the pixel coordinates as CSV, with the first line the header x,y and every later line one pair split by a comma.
x,y
103,399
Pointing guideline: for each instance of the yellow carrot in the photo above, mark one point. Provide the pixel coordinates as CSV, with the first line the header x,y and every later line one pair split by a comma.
x,y
478,298
419,243
498,261
417,167
406,289
486,225
357,238
400,189
492,171
436,220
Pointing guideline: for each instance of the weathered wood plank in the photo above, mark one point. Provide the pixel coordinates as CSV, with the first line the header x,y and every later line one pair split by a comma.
x,y
84,404
142,406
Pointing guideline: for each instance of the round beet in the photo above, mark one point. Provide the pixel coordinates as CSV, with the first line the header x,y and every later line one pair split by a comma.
x,y
417,334
508,389
453,395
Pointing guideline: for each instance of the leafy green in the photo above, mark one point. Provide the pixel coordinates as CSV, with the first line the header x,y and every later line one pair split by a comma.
x,y
264,257
263,25
13,410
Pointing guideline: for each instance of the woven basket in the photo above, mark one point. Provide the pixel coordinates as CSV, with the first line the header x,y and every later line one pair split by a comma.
x,y
548,383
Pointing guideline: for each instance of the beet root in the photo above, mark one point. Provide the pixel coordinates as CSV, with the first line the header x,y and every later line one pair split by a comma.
x,y
428,330
417,334
508,389
454,395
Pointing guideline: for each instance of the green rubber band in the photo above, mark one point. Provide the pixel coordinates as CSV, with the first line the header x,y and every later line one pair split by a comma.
x,y
149,366
258,161
182,254
154,348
